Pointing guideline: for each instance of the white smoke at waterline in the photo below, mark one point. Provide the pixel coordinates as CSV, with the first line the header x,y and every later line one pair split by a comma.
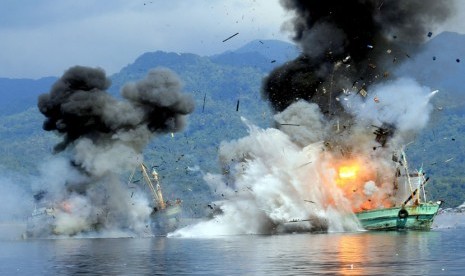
x,y
275,186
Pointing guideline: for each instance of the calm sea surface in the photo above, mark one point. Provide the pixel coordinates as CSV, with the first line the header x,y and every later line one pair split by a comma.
x,y
438,252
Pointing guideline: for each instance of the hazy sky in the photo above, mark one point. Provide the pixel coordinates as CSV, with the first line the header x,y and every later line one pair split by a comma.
x,y
45,37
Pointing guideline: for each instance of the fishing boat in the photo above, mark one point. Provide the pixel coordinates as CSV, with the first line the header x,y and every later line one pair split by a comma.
x,y
413,217
165,216
415,213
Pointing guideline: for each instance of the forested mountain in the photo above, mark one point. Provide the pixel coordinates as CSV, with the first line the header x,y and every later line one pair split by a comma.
x,y
226,87
21,94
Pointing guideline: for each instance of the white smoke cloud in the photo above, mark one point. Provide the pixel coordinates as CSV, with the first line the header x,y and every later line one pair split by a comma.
x,y
90,206
274,186
95,159
370,188
305,124
403,103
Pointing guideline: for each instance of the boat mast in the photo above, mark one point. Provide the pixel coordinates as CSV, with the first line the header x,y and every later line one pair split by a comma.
x,y
407,174
156,193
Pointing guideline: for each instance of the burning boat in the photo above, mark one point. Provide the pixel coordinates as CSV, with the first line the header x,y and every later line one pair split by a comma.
x,y
165,216
418,216
44,220
414,213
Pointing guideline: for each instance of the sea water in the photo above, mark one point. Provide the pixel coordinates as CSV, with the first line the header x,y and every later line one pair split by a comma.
x,y
437,252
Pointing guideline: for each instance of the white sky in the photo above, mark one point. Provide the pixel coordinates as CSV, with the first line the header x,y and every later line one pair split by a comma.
x,y
45,37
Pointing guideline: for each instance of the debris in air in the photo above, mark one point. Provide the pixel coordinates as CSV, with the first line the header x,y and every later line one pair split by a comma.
x,y
363,92
230,37
304,166
204,98
237,106
430,34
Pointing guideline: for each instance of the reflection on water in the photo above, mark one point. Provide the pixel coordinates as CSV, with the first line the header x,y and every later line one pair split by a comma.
x,y
388,253
383,253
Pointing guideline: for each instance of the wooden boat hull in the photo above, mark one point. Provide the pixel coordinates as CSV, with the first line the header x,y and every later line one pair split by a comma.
x,y
418,217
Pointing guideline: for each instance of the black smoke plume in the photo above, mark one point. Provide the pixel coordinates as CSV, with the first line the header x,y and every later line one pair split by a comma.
x,y
348,45
104,137
78,105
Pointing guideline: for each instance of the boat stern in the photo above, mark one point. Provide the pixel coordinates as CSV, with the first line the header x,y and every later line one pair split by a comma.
x,y
415,217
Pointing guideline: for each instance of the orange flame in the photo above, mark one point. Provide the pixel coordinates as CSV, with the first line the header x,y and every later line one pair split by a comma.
x,y
348,172
352,175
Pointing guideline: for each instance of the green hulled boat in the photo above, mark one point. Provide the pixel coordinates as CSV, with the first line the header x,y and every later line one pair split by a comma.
x,y
413,217
414,213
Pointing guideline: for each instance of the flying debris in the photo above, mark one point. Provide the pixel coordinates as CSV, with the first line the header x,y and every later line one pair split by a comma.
x,y
363,92
289,124
430,34
230,37
204,98
383,133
